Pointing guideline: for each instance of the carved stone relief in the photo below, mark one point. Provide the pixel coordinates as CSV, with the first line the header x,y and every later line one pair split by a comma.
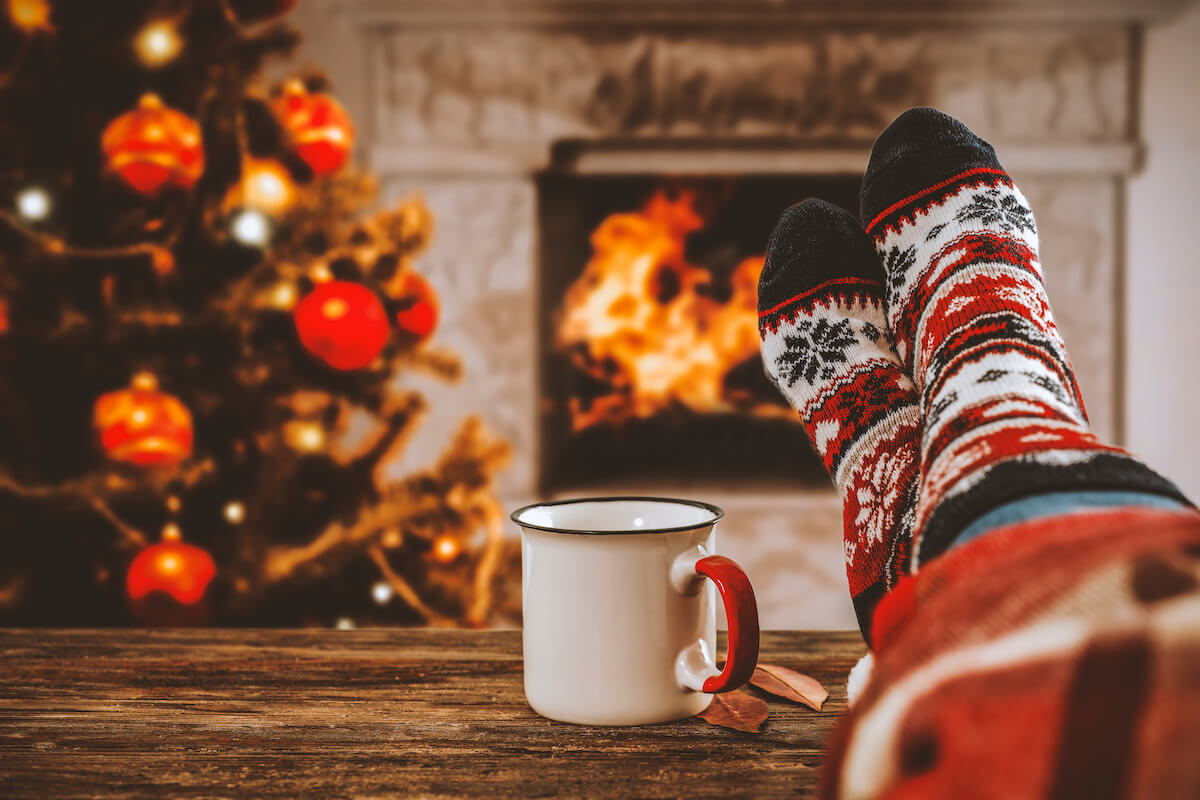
x,y
520,85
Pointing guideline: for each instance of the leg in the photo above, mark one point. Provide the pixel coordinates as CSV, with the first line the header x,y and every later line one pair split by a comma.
x,y
826,345
1058,656
1003,416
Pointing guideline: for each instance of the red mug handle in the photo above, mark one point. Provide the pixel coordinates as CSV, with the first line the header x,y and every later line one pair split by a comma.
x,y
741,611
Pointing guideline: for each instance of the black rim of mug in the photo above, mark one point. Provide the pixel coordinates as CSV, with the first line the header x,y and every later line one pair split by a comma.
x,y
717,512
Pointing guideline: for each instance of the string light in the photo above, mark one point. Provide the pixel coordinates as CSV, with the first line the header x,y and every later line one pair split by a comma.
x,y
283,296
251,227
174,504
344,624
34,204
171,532
307,437
157,43
381,593
235,512
446,548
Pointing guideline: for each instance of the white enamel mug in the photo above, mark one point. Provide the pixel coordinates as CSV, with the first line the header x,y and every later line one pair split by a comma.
x,y
620,617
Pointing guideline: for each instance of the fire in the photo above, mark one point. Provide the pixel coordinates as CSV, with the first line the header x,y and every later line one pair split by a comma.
x,y
640,319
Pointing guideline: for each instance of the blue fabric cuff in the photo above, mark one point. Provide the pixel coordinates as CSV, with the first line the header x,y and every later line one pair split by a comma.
x,y
1055,503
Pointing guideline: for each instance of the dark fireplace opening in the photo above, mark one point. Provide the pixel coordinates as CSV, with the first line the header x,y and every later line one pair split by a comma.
x,y
650,371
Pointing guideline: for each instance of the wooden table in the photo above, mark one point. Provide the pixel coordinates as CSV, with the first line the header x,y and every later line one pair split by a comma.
x,y
365,713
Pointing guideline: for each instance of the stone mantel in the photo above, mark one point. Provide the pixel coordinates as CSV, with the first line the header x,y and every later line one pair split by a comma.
x,y
751,13
492,88
469,101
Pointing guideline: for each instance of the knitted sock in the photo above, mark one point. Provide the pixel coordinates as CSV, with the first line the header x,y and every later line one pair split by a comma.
x,y
826,345
1003,417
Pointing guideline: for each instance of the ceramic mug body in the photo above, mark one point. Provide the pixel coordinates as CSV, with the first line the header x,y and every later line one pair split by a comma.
x,y
619,616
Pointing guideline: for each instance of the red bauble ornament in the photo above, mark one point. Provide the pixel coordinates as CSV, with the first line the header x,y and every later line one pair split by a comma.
x,y
342,323
318,128
153,146
167,582
259,10
418,303
141,425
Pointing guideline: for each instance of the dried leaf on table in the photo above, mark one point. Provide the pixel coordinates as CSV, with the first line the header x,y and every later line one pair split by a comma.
x,y
736,710
790,685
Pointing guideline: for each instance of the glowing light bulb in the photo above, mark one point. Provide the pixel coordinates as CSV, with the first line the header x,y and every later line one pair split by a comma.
x,y
283,296
157,43
34,204
381,593
307,437
344,624
235,512
446,548
251,228
171,532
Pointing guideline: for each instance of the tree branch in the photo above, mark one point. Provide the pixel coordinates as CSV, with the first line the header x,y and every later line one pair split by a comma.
x,y
133,537
406,592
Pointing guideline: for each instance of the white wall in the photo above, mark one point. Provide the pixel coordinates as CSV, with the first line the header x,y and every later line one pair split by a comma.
x,y
1162,268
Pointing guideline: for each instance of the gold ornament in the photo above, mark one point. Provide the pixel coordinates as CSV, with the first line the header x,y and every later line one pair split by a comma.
x,y
265,185
30,15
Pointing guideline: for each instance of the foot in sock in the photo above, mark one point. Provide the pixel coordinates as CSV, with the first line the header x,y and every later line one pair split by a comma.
x,y
826,345
1003,416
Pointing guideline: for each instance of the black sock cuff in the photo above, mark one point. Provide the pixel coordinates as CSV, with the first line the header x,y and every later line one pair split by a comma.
x,y
1019,478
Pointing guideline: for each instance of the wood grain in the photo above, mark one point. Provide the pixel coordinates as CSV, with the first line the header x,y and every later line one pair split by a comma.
x,y
365,713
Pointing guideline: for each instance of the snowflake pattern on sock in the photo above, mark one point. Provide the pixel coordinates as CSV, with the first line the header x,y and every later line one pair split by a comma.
x,y
814,349
996,209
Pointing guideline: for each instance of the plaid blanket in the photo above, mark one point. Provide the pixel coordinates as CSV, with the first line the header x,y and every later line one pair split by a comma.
x,y
1057,658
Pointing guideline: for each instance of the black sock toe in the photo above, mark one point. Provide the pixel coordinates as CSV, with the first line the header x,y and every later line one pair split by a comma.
x,y
921,148
814,242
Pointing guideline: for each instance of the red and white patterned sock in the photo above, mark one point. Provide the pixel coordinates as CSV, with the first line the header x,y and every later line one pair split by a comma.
x,y
826,345
1003,417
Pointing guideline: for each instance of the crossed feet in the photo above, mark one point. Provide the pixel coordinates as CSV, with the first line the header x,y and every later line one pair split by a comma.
x,y
922,356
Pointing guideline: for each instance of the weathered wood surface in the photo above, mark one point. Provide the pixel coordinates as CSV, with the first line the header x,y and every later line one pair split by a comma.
x,y
365,713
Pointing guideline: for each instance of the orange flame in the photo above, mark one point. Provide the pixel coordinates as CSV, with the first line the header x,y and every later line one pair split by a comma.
x,y
638,320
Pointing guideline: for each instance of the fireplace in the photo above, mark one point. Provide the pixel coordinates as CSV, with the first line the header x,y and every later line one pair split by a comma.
x,y
651,378
526,123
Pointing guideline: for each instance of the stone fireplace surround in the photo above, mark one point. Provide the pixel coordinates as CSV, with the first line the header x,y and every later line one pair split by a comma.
x,y
469,101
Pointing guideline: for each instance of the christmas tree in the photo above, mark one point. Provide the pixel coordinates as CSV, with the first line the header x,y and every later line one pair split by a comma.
x,y
206,340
